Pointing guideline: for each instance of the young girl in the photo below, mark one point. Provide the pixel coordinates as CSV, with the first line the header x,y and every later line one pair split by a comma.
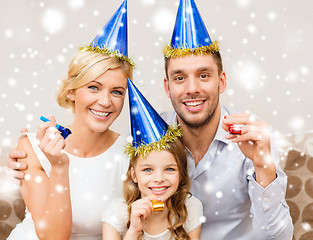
x,y
68,182
156,172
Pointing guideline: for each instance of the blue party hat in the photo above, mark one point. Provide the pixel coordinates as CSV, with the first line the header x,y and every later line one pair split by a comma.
x,y
149,131
190,34
112,39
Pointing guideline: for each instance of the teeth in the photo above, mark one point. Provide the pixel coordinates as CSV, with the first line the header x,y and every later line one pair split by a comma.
x,y
159,189
100,114
193,104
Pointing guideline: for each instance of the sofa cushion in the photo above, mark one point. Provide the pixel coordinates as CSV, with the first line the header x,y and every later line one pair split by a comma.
x,y
12,207
299,195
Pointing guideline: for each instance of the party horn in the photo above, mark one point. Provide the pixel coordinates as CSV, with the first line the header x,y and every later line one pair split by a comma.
x,y
64,131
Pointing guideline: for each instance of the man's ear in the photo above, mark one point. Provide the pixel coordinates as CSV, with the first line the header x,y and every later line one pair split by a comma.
x,y
167,87
132,172
223,82
70,95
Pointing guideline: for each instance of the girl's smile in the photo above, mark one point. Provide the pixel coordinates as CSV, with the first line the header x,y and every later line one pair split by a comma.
x,y
157,174
159,190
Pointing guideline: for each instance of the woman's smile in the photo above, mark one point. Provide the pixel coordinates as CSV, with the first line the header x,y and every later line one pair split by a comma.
x,y
100,114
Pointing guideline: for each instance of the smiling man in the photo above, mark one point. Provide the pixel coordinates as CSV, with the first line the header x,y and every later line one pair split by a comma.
x,y
236,176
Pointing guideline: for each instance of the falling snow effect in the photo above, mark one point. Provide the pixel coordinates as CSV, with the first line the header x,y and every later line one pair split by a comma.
x,y
265,47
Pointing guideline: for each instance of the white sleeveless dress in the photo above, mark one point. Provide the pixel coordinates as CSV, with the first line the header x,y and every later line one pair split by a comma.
x,y
94,182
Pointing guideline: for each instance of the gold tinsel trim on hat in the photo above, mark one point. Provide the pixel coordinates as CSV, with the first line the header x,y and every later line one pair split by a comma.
x,y
171,135
170,52
108,52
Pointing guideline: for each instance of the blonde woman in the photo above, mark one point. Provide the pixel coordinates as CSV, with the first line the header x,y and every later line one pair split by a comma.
x,y
69,182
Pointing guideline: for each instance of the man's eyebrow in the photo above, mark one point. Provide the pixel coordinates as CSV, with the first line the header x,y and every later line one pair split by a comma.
x,y
176,71
200,69
208,68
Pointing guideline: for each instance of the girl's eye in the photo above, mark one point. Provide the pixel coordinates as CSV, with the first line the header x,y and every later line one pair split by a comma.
x,y
94,88
147,170
170,169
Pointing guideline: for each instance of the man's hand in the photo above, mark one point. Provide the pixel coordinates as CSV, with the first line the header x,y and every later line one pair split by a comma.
x,y
15,168
254,142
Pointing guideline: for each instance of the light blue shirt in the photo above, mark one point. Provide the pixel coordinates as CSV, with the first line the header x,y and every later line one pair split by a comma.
x,y
235,206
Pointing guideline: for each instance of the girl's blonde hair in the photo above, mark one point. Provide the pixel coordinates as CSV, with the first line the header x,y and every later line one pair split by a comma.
x,y
84,68
177,214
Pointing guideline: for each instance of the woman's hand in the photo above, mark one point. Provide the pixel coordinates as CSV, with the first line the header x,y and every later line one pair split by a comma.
x,y
52,143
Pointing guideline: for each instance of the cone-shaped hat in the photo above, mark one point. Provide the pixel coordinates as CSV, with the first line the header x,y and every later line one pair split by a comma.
x,y
112,38
149,131
190,34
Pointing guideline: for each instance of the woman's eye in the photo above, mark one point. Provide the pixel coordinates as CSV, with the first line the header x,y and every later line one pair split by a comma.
x,y
170,169
147,170
117,92
94,88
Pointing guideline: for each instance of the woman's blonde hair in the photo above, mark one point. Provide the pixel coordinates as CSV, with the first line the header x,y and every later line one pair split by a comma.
x,y
84,68
177,214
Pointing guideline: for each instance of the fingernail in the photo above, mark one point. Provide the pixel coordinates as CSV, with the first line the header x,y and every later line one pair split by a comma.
x,y
22,154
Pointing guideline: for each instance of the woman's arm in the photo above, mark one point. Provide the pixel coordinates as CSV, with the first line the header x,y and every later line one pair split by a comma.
x,y
109,232
48,199
195,234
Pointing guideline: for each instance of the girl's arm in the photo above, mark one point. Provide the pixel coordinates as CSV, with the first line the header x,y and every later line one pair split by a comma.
x,y
195,234
48,199
140,212
109,232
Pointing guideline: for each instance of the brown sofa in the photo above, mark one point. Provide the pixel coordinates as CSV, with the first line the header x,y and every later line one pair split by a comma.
x,y
296,153
12,207
297,162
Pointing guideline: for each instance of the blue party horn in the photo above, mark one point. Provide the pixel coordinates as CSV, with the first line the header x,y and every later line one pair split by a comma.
x,y
64,131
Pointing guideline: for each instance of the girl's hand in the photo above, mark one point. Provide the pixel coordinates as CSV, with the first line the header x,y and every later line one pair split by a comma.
x,y
52,143
140,212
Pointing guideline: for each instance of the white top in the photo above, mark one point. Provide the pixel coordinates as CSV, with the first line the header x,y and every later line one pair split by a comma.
x,y
94,182
116,214
235,205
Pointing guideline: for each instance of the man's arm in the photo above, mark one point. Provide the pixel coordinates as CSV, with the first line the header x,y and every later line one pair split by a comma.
x,y
267,186
271,216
